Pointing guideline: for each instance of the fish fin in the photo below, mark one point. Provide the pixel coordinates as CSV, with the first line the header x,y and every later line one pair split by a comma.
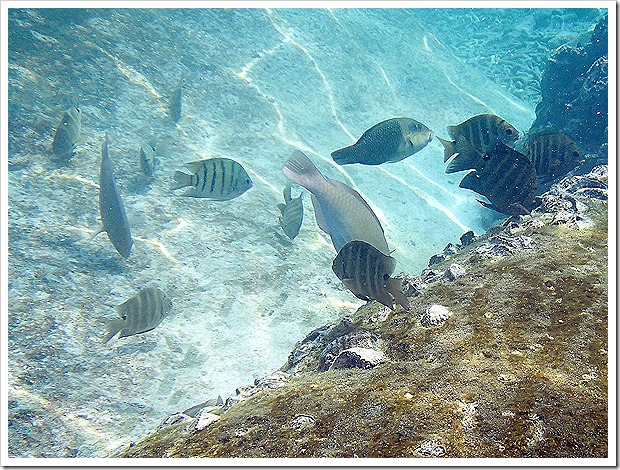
x,y
467,159
181,180
452,130
449,148
490,206
385,298
282,207
287,191
471,181
345,156
219,400
99,230
301,170
395,287
114,326
320,217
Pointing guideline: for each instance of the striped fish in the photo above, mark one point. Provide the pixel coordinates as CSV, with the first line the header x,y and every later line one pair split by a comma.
x,y
215,178
111,208
340,211
67,133
474,139
140,313
175,104
366,273
508,180
553,154
292,213
391,140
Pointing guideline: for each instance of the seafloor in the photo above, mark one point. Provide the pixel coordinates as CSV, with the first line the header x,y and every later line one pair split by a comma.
x,y
259,84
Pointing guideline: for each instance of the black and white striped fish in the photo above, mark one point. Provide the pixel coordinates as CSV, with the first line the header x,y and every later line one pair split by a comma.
x,y
140,313
508,181
67,133
215,178
292,213
366,273
553,154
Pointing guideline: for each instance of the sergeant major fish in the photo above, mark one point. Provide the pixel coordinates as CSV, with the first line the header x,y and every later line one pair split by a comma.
x,y
366,273
140,313
215,178
391,140
111,208
553,154
474,138
292,213
340,211
67,133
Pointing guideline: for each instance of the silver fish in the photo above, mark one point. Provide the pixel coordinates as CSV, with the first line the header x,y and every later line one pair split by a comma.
x,y
212,403
391,140
366,273
215,178
175,104
140,313
292,213
148,157
111,208
67,133
340,211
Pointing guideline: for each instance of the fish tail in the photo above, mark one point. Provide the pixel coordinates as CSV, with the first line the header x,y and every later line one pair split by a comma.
x,y
344,156
449,148
114,326
395,287
301,170
181,180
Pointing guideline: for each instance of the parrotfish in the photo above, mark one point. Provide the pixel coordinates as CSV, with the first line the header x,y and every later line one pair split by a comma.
x,y
292,213
67,133
340,211
215,178
391,140
553,154
366,273
140,313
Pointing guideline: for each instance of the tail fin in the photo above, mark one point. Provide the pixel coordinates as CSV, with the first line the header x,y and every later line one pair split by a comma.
x,y
114,326
395,287
301,170
345,156
181,180
449,148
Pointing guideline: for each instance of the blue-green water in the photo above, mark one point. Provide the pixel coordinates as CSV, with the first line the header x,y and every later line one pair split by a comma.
x,y
260,83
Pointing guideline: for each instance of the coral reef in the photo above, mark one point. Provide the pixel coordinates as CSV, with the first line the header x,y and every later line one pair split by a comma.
x,y
518,370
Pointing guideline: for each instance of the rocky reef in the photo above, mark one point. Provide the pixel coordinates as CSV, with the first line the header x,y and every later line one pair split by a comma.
x,y
503,353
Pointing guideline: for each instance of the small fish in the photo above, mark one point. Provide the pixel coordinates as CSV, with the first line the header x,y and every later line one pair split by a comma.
x,y
111,208
292,213
212,403
508,180
148,157
391,140
474,139
553,154
175,104
366,273
215,178
67,133
140,313
340,211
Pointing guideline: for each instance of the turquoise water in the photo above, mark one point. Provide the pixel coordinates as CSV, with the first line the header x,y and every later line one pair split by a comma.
x,y
259,83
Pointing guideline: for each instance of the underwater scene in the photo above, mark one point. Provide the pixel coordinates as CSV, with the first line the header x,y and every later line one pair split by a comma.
x,y
307,232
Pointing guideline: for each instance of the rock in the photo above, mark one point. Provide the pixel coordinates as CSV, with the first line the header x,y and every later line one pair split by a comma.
x,y
453,272
356,339
358,358
431,448
435,315
436,259
205,419
467,238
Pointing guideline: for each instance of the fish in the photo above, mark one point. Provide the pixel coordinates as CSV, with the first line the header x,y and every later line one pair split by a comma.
x,y
212,403
340,211
221,179
111,209
67,133
474,139
148,157
292,213
365,271
391,140
175,104
508,181
139,313
553,154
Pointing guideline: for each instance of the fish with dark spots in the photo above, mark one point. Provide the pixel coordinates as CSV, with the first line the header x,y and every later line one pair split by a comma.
x,y
220,179
553,154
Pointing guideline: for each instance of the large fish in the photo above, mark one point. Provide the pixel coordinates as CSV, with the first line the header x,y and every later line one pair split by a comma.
x,y
176,103
340,211
140,313
215,178
366,273
553,154
292,213
391,140
474,139
508,181
67,133
111,208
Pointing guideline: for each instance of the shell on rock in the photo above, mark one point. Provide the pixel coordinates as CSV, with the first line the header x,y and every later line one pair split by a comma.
x,y
355,339
435,315
358,358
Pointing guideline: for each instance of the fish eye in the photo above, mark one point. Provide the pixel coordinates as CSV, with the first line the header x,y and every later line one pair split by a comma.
x,y
575,154
124,317
508,131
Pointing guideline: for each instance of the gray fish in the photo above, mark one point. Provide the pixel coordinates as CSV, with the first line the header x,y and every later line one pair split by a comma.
x,y
111,208
474,139
391,140
340,211
140,313
292,213
212,403
67,133
553,154
175,103
148,157
366,273
215,178
508,180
